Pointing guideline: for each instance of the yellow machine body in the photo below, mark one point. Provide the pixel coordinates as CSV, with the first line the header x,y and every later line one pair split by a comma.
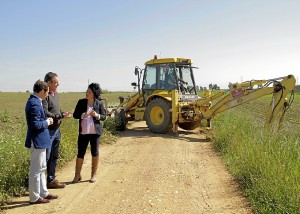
x,y
167,97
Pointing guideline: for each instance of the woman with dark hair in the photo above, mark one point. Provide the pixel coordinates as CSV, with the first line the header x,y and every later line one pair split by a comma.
x,y
89,111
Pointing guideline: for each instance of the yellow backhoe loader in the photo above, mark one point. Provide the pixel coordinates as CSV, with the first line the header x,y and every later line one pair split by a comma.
x,y
167,97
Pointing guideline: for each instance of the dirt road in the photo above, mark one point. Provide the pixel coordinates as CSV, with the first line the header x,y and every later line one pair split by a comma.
x,y
147,173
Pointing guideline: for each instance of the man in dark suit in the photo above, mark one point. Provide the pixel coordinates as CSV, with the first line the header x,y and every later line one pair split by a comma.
x,y
37,140
52,108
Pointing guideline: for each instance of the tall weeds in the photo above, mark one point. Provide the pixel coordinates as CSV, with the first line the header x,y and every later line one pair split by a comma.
x,y
266,164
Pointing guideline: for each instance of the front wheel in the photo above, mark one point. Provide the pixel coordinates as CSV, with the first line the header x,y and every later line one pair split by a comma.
x,y
158,116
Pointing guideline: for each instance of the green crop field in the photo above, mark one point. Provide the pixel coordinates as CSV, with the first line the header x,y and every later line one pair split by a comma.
x,y
14,158
265,164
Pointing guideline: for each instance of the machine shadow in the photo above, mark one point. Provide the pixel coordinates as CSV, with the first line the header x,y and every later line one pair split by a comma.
x,y
144,132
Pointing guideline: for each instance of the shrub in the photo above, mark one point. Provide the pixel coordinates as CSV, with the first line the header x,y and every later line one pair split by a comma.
x,y
4,117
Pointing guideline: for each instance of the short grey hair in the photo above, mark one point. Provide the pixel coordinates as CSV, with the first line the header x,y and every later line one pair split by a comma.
x,y
49,76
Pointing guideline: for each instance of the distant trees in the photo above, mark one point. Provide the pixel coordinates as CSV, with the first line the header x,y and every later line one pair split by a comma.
x,y
210,87
213,87
201,88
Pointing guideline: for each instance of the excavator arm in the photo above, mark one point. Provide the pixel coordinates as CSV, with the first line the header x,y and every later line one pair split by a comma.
x,y
244,92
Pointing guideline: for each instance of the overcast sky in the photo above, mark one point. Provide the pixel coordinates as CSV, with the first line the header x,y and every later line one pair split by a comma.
x,y
102,41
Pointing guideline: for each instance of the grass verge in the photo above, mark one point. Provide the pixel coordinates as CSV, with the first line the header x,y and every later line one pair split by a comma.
x,y
266,164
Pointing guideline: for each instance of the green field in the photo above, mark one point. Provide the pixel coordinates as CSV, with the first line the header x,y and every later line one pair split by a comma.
x,y
14,159
265,164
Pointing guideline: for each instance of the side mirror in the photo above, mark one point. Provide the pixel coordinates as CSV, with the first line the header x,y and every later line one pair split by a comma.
x,y
136,71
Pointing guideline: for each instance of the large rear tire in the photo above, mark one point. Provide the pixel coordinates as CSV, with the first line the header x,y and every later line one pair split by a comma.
x,y
121,120
158,116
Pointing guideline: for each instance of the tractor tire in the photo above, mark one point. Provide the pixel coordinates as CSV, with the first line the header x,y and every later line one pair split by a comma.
x,y
121,121
189,125
158,116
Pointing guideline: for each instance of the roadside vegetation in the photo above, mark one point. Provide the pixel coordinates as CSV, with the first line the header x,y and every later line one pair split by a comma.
x,y
265,164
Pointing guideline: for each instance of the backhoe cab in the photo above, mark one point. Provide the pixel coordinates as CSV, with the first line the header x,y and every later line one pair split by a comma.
x,y
169,74
167,97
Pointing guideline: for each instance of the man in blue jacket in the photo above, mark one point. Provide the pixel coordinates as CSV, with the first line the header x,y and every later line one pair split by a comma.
x,y
37,140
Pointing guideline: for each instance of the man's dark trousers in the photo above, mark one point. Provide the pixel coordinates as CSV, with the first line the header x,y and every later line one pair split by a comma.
x,y
52,154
